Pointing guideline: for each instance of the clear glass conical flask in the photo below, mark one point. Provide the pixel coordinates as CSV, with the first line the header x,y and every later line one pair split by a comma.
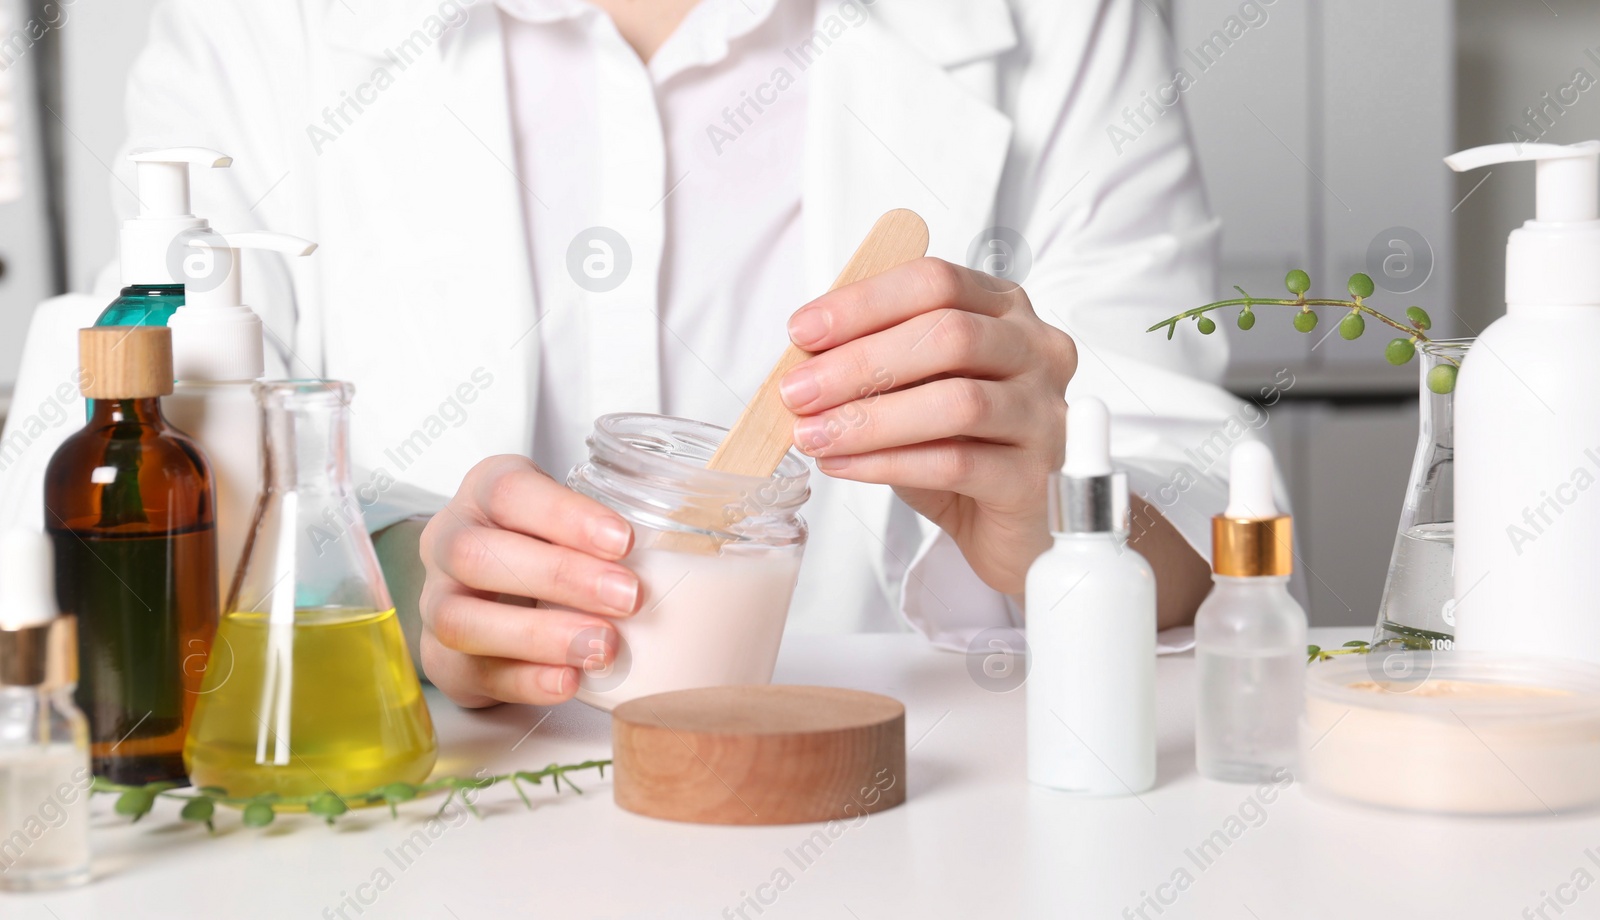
x,y
309,687
1418,607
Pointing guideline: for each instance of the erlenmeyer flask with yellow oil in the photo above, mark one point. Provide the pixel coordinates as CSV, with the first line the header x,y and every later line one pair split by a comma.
x,y
309,687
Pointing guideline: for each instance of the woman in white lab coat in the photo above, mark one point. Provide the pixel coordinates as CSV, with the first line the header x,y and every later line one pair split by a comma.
x,y
571,214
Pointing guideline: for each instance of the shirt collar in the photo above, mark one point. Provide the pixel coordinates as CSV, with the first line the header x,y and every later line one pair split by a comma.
x,y
701,40
544,11
948,32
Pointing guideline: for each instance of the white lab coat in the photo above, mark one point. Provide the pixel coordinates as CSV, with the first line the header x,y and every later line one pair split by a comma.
x,y
1002,106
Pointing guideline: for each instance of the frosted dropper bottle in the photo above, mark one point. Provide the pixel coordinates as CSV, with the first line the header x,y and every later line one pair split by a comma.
x,y
44,738
1527,422
1091,625
150,250
1250,635
217,356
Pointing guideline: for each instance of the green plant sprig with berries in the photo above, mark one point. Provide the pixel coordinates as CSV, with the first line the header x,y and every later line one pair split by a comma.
x,y
200,805
1315,653
1408,638
1401,349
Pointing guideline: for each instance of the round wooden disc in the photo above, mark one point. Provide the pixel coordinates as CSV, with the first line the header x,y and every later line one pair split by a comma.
x,y
759,754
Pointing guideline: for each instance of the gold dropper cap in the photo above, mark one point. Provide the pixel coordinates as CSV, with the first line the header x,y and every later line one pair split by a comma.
x,y
38,646
40,656
125,362
1252,547
1250,538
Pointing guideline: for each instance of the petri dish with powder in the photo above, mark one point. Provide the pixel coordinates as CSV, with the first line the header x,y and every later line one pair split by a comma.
x,y
1471,733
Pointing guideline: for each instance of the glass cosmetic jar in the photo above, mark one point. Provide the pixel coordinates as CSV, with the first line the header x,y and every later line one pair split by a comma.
x,y
714,599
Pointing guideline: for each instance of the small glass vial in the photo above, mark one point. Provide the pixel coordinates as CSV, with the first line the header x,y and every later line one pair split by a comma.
x,y
44,738
1250,635
714,599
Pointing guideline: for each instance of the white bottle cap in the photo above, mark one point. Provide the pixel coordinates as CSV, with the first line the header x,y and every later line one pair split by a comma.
x,y
1250,482
162,180
1088,495
1088,438
27,580
215,337
1554,259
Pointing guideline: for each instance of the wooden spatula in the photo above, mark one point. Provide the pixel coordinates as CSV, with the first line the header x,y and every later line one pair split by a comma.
x,y
764,432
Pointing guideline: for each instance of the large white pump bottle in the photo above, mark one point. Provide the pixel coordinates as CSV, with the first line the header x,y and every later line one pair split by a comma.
x,y
1527,462
217,356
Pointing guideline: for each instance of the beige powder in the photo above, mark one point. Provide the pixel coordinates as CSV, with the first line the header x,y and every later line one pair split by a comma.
x,y
1463,690
1444,755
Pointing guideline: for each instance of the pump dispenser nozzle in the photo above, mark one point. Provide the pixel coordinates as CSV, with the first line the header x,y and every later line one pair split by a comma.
x,y
214,335
1550,260
1566,175
1088,495
1251,537
162,176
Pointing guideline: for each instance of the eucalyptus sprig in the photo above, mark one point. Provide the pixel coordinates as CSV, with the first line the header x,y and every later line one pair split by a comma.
x,y
1401,349
200,805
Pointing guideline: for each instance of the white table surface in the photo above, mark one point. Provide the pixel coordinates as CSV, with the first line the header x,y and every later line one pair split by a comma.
x,y
973,840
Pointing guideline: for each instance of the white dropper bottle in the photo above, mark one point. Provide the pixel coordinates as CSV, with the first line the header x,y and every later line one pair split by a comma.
x,y
217,356
1091,627
1250,634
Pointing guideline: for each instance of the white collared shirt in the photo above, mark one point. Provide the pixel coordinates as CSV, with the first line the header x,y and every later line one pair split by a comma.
x,y
693,161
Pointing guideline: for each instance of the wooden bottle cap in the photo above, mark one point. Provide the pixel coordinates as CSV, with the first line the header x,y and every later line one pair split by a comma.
x,y
759,754
125,362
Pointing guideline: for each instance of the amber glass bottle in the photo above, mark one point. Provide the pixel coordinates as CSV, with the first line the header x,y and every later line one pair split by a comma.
x,y
129,506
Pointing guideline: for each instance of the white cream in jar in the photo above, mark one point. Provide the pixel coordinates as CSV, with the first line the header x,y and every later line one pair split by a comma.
x,y
706,618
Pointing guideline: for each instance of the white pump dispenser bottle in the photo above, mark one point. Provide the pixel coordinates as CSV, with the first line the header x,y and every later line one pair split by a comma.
x,y
1250,634
1528,425
217,356
1091,626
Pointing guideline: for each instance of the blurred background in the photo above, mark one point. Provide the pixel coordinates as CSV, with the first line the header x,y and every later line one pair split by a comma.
x,y
1320,133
